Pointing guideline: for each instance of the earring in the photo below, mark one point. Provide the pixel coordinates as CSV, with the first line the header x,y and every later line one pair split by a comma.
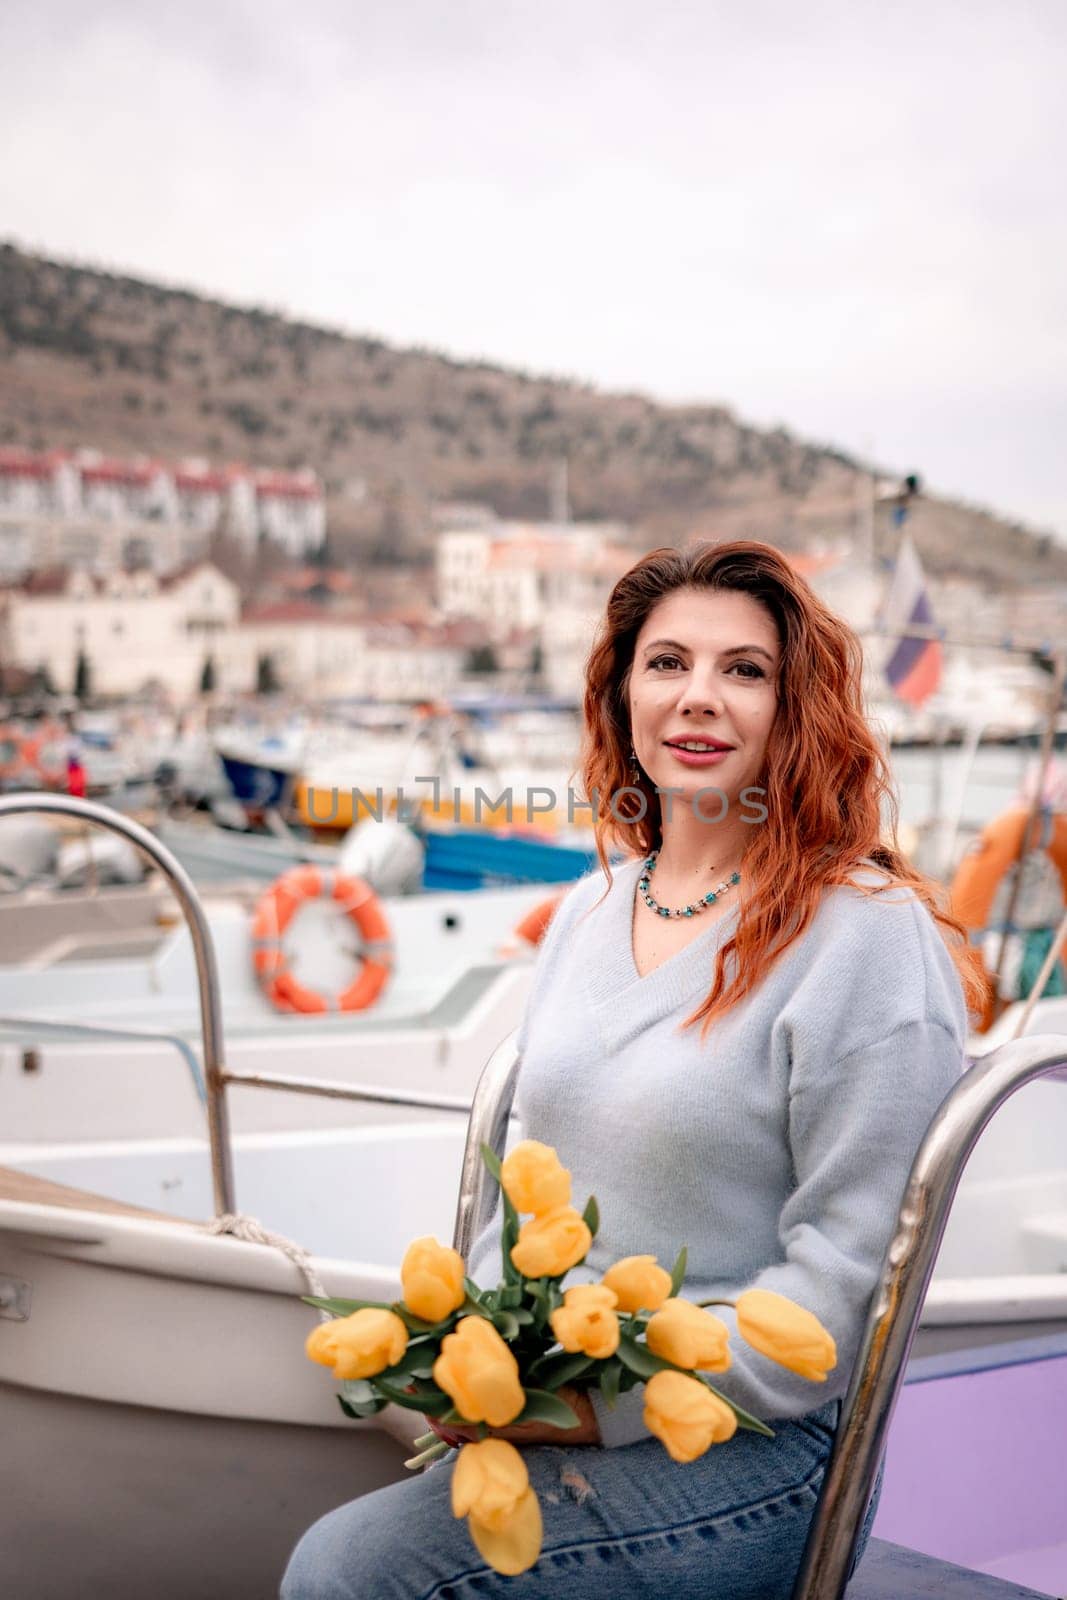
x,y
635,770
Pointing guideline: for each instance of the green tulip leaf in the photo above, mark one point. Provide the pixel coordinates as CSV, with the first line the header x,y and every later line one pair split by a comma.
x,y
344,1308
550,1371
545,1296
544,1407
368,1408
358,1399
505,1323
640,1359
610,1373
591,1215
416,1362
474,1294
433,1402
491,1159
510,1231
416,1325
509,1236
745,1420
678,1271
510,1298
357,1390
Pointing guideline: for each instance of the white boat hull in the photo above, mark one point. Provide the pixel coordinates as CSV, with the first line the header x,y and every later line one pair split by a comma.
x,y
117,1500
454,995
164,1433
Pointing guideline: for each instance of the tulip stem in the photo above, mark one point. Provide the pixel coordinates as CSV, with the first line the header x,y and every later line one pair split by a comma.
x,y
438,1448
425,1440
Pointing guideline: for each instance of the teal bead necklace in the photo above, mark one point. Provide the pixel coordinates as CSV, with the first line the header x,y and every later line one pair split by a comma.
x,y
682,911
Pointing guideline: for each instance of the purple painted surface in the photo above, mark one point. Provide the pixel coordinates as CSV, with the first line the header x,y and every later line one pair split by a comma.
x,y
976,1471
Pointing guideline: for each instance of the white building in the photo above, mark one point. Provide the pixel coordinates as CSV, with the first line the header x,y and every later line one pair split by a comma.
x,y
310,649
515,574
82,508
288,508
132,627
136,628
407,663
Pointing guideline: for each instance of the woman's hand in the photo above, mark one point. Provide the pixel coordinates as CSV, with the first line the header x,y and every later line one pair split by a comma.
x,y
587,1431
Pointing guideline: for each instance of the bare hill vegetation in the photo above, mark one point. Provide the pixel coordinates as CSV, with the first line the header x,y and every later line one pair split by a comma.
x,y
91,358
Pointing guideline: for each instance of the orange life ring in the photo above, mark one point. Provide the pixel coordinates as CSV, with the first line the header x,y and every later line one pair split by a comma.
x,y
979,874
273,914
39,754
534,925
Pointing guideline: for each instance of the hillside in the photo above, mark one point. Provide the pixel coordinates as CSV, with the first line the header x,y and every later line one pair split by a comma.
x,y
91,358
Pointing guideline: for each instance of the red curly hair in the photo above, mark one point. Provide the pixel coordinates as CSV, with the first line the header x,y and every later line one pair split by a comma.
x,y
827,783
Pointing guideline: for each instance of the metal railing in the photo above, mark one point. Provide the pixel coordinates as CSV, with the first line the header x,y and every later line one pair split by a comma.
x,y
207,971
216,1076
898,1300
488,1124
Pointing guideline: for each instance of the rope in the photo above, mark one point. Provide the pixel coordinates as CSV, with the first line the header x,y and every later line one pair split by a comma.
x,y
252,1231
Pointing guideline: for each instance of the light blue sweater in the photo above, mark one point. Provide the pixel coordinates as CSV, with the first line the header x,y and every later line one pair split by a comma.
x,y
778,1149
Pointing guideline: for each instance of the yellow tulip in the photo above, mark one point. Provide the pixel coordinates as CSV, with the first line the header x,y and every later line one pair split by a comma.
x,y
689,1336
488,1480
550,1244
361,1345
432,1279
784,1332
517,1545
587,1322
533,1178
640,1283
685,1416
491,1488
479,1373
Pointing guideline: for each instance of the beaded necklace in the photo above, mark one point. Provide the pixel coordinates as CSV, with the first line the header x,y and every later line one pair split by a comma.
x,y
682,911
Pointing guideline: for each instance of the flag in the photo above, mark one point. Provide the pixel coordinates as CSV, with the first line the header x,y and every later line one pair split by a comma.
x,y
914,665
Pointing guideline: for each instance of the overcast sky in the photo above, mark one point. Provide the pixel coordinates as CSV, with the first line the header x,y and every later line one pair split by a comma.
x,y
845,216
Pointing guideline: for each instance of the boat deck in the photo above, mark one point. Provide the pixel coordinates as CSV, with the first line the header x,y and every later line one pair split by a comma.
x,y
891,1572
26,1187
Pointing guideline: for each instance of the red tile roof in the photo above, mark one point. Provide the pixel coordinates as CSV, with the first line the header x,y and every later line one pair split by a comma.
x,y
130,474
207,482
286,485
45,581
16,463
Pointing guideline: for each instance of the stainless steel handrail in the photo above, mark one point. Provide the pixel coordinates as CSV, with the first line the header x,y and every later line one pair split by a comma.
x,y
488,1124
897,1303
207,971
417,1099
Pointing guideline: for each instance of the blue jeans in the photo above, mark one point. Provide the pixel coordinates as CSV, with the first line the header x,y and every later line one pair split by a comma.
x,y
628,1521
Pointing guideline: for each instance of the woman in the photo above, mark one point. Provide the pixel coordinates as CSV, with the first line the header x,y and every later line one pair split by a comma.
x,y
737,1046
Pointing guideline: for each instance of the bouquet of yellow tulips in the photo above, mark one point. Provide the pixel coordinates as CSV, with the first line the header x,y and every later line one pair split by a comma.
x,y
493,1357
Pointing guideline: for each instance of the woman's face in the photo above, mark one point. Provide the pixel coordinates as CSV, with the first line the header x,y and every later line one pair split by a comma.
x,y
704,672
